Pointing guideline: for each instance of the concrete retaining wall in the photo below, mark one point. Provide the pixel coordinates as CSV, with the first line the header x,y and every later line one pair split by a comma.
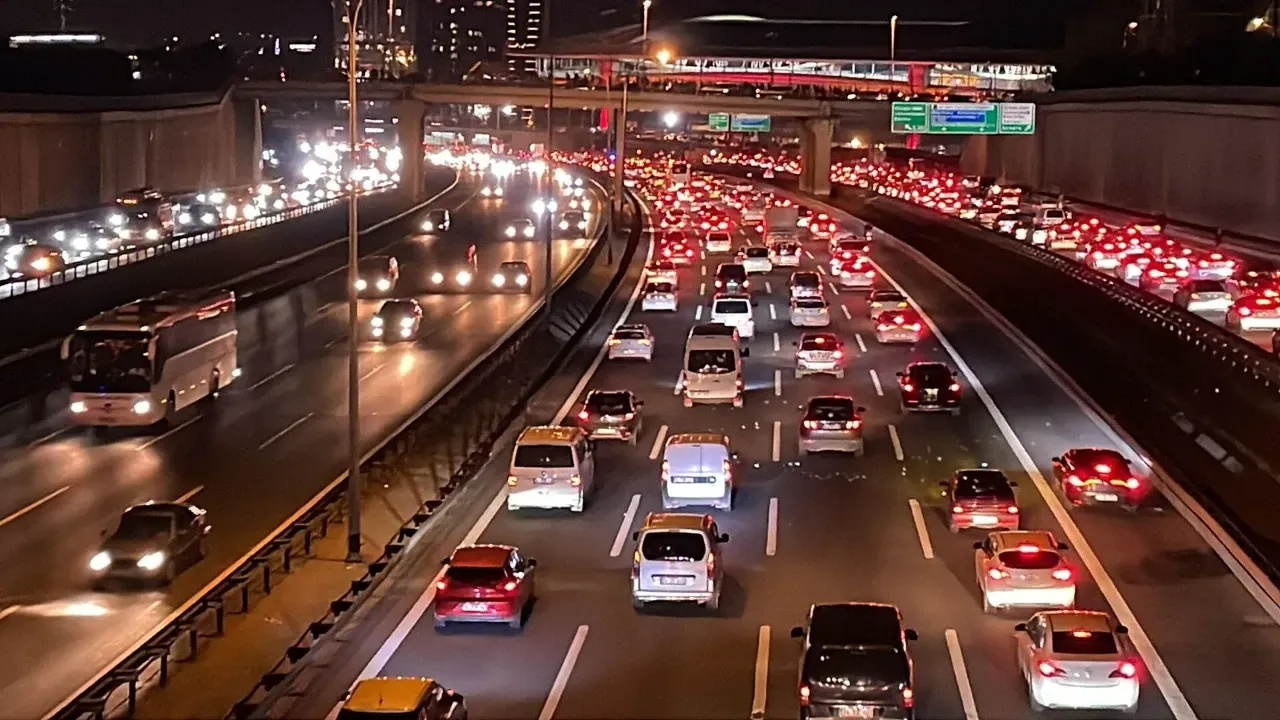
x,y
1204,156
60,156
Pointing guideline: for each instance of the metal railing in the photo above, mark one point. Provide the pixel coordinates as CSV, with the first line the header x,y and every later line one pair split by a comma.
x,y
205,614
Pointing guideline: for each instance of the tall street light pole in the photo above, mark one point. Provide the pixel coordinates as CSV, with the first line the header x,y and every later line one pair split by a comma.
x,y
644,32
550,174
353,313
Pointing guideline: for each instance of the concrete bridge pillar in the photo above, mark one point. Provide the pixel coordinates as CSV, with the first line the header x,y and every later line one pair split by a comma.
x,y
409,118
620,146
815,155
246,164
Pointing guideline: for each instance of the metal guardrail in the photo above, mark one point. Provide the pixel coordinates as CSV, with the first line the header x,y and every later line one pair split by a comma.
x,y
205,615
95,266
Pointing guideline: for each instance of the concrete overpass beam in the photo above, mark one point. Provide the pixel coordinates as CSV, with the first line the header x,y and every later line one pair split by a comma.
x,y
247,163
409,118
815,155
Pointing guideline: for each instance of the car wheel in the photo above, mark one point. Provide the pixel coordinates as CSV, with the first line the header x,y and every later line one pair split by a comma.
x,y
738,402
688,401
799,374
170,572
955,412
987,609
953,528
860,451
517,622
713,604
638,605
1035,704
438,622
840,374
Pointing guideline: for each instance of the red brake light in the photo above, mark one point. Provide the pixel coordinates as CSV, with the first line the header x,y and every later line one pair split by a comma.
x,y
957,509
906,387
853,424
1028,549
510,586
1103,469
1132,483
1013,509
837,354
1126,669
1062,574
1048,669
1075,480
811,424
584,415
909,697
441,585
954,387
804,694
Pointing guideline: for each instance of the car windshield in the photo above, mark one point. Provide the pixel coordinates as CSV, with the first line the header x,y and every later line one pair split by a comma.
x,y
142,525
990,483
109,362
732,307
710,361
1084,642
659,288
396,308
830,409
543,456
849,246
663,265
839,666
1099,461
476,575
931,375
369,266
610,403
757,252
673,546
1032,559
514,267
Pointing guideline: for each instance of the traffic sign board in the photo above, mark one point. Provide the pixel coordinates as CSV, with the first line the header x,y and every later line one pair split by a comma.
x,y
1017,118
751,123
718,122
909,117
963,119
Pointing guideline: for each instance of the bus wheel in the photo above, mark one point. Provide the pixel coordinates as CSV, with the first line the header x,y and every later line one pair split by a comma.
x,y
215,381
171,408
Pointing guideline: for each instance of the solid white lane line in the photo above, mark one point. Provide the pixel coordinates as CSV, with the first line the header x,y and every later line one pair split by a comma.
x,y
23,511
46,438
271,377
562,677
1178,704
771,536
657,443
372,372
897,443
773,312
768,288
875,380
922,530
777,347
760,695
624,531
285,431
777,383
167,433
777,440
962,676
189,494
702,289
697,315
834,290
845,308
862,345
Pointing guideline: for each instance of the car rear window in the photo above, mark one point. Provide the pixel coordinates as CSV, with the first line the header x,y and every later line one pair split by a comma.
x,y
610,403
543,456
819,342
629,334
831,409
674,546
1206,286
806,280
660,287
931,375
811,303
983,484
837,665
1038,560
731,272
718,237
732,307
476,575
1083,642
757,252
887,297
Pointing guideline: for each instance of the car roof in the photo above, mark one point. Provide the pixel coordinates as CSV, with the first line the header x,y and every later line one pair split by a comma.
x,y
514,263
1014,539
856,625
549,435
387,695
480,556
1068,620
676,521
160,508
712,330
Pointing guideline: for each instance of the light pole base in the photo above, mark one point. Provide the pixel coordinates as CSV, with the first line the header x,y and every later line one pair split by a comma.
x,y
353,549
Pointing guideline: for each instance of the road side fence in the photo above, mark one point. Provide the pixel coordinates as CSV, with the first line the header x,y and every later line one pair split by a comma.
x,y
460,431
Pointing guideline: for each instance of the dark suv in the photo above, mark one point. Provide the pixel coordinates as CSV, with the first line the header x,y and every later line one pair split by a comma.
x,y
856,662
732,278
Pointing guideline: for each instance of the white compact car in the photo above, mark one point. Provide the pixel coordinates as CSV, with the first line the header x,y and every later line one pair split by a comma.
x,y
1078,660
659,296
633,341
755,259
810,312
734,311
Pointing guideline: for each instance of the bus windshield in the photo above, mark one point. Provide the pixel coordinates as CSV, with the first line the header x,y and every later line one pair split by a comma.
x,y
110,361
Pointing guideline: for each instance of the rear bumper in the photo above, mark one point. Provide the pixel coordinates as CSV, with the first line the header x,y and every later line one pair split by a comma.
x,y
964,521
1053,693
672,596
831,444
551,500
1051,597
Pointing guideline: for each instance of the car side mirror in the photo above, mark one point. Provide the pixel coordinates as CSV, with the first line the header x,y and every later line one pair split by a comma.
x,y
1020,627
911,635
1063,546
860,409
898,374
531,563
977,546
1121,629
639,403
795,344
1056,459
433,505
445,562
635,536
723,538
746,352
1013,483
456,698
797,632
944,484
733,455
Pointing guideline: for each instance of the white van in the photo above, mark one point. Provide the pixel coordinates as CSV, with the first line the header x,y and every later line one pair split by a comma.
x,y
713,365
735,311
552,467
698,470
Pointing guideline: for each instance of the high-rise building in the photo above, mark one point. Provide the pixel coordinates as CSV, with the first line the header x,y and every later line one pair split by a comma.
x,y
463,35
385,31
526,22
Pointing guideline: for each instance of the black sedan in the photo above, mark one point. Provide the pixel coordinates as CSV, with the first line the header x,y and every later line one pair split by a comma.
x,y
153,542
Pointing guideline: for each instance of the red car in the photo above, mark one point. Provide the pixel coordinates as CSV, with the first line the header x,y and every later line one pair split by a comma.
x,y
1093,476
485,583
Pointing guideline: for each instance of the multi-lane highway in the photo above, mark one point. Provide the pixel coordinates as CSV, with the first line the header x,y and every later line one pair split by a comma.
x,y
820,529
267,446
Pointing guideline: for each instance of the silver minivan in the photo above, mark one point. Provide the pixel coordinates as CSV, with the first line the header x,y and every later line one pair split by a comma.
x,y
552,467
713,365
698,470
677,559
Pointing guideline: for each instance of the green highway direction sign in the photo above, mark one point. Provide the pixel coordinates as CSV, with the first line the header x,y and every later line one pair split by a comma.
x,y
963,118
718,122
751,123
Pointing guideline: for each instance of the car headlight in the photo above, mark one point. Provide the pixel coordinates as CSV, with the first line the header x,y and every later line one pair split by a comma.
x,y
361,284
80,243
511,231
406,332
428,226
528,232
437,278
153,234
151,561
406,322
376,322
184,219
100,561
142,407
116,220
384,284
564,224
463,277
376,331
78,407
207,219
499,280
486,192
498,192
522,280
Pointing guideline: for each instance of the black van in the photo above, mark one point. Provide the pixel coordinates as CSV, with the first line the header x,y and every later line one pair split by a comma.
x,y
732,278
856,662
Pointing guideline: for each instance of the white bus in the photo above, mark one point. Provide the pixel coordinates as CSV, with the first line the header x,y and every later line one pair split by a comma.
x,y
140,363
679,176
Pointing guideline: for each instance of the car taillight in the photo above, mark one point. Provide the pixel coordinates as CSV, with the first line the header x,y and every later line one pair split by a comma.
x,y
1126,670
441,585
811,424
837,354
804,695
1048,669
997,574
510,586
908,697
883,326
615,341
870,273
575,481
954,387
666,471
584,415
1063,574
1075,480
746,283
511,481
1243,310
913,327
1130,483
852,424
719,284
957,509
1013,509
907,387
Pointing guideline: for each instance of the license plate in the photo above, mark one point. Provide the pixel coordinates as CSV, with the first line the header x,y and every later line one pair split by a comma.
x,y
1106,497
685,480
672,580
475,607
984,520
931,394
543,481
854,711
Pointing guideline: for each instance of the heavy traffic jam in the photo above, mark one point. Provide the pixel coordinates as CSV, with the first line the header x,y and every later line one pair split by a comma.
x,y
792,293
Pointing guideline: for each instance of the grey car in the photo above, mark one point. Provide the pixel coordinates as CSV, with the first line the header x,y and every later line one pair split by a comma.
x,y
152,543
677,559
611,415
